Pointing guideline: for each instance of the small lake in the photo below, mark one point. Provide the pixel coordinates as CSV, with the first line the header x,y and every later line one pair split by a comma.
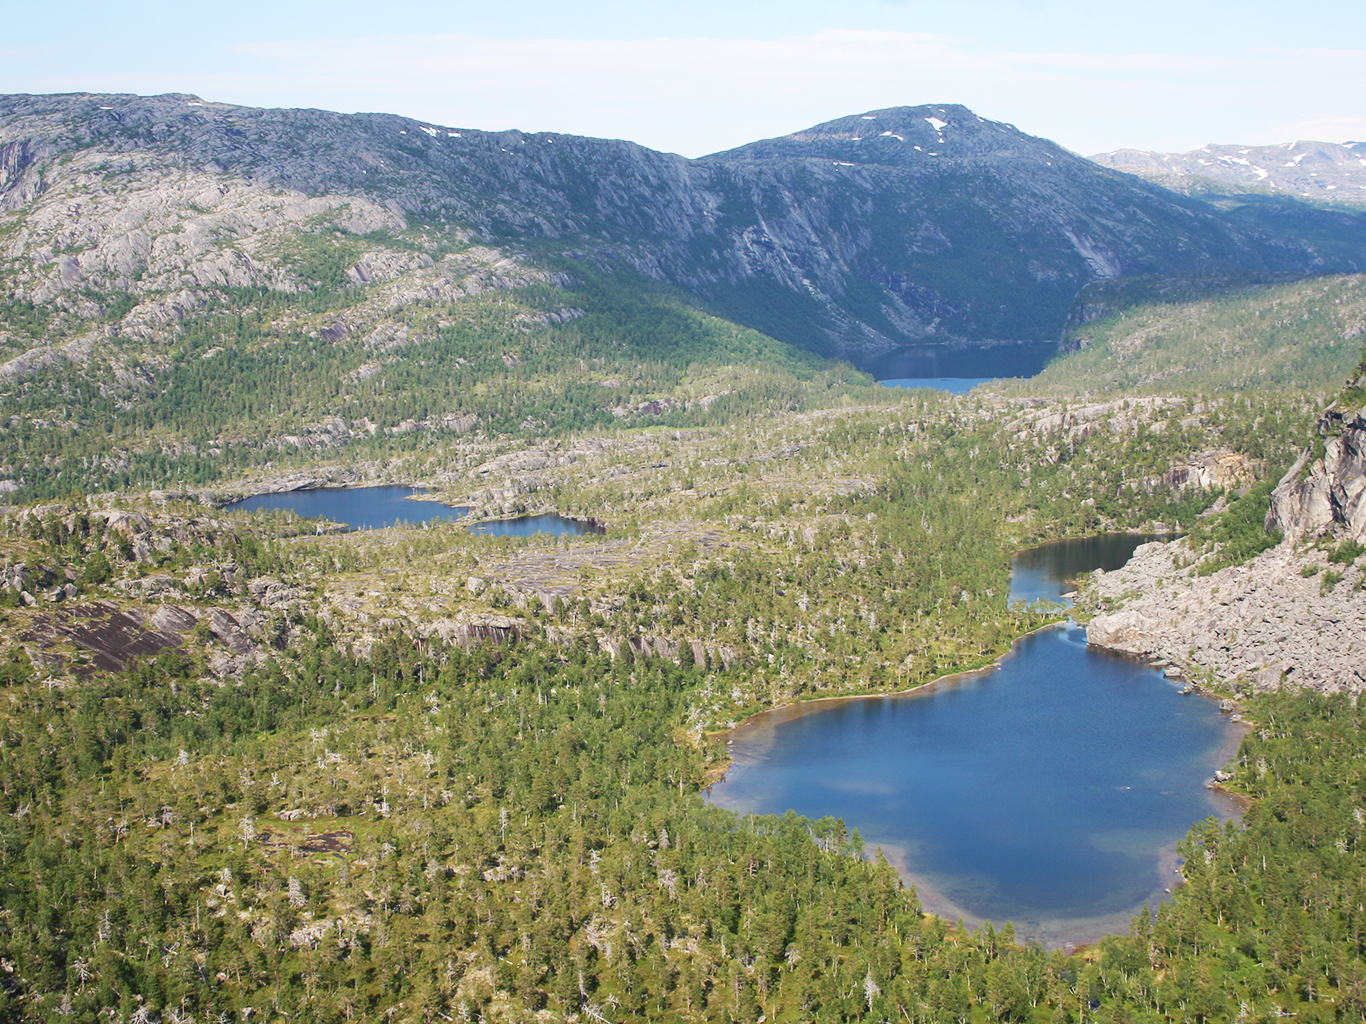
x,y
359,508
1047,572
528,526
1049,791
956,369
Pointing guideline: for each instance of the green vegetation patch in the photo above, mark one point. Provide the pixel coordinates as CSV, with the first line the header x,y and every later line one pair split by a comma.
x,y
1347,552
258,375
1238,534
1302,335
498,833
320,258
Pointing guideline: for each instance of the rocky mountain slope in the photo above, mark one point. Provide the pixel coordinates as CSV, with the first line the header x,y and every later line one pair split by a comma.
x,y
1249,627
904,224
1322,172
1294,614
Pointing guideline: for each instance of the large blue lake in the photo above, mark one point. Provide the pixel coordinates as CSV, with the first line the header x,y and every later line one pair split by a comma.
x,y
360,508
1049,791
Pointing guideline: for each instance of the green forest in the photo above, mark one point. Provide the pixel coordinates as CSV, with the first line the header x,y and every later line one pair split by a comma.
x,y
251,379
496,833
1153,333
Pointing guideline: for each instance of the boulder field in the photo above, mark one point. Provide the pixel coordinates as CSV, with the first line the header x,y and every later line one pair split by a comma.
x,y
1291,615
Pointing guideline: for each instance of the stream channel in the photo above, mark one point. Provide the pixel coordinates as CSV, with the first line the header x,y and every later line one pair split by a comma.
x,y
1049,790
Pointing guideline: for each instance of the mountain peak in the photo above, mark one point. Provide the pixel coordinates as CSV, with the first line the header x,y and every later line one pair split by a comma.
x,y
898,135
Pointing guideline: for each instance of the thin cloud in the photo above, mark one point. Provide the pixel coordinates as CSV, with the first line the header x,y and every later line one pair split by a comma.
x,y
697,95
27,52
1333,129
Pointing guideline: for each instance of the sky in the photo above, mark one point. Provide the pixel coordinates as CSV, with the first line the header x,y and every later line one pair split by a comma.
x,y
700,76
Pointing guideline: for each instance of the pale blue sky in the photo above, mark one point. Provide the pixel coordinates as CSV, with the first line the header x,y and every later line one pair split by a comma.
x,y
703,75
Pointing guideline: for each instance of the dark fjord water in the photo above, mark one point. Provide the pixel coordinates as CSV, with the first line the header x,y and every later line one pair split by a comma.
x,y
528,526
360,508
955,369
1050,791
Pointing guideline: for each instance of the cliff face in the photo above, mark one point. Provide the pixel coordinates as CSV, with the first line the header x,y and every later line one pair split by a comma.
x,y
1331,491
903,224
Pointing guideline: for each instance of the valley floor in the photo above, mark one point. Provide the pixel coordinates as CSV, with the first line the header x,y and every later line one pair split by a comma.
x,y
359,775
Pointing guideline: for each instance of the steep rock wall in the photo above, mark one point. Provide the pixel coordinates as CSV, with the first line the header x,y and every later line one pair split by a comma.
x,y
1321,493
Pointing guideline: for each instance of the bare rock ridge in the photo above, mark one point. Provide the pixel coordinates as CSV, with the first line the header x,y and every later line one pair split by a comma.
x,y
1295,614
1250,626
899,225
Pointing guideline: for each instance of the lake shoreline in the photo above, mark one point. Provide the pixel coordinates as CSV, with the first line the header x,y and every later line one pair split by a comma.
x,y
718,773
809,702
759,757
1068,933
349,508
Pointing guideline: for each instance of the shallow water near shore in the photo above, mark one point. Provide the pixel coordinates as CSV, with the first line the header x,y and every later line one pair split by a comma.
x,y
1048,571
1050,790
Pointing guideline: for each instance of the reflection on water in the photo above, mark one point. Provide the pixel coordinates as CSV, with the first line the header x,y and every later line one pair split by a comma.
x,y
1050,791
956,368
529,526
360,508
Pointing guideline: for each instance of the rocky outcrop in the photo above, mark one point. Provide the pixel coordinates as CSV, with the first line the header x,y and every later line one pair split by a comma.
x,y
1295,614
469,629
107,637
1321,493
663,647
1223,469
1256,625
1284,616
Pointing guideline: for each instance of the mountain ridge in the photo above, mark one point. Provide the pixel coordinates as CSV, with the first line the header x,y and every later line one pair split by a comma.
x,y
1322,172
831,241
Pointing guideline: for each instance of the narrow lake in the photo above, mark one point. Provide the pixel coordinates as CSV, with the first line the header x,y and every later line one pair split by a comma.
x,y
1049,791
529,526
359,508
